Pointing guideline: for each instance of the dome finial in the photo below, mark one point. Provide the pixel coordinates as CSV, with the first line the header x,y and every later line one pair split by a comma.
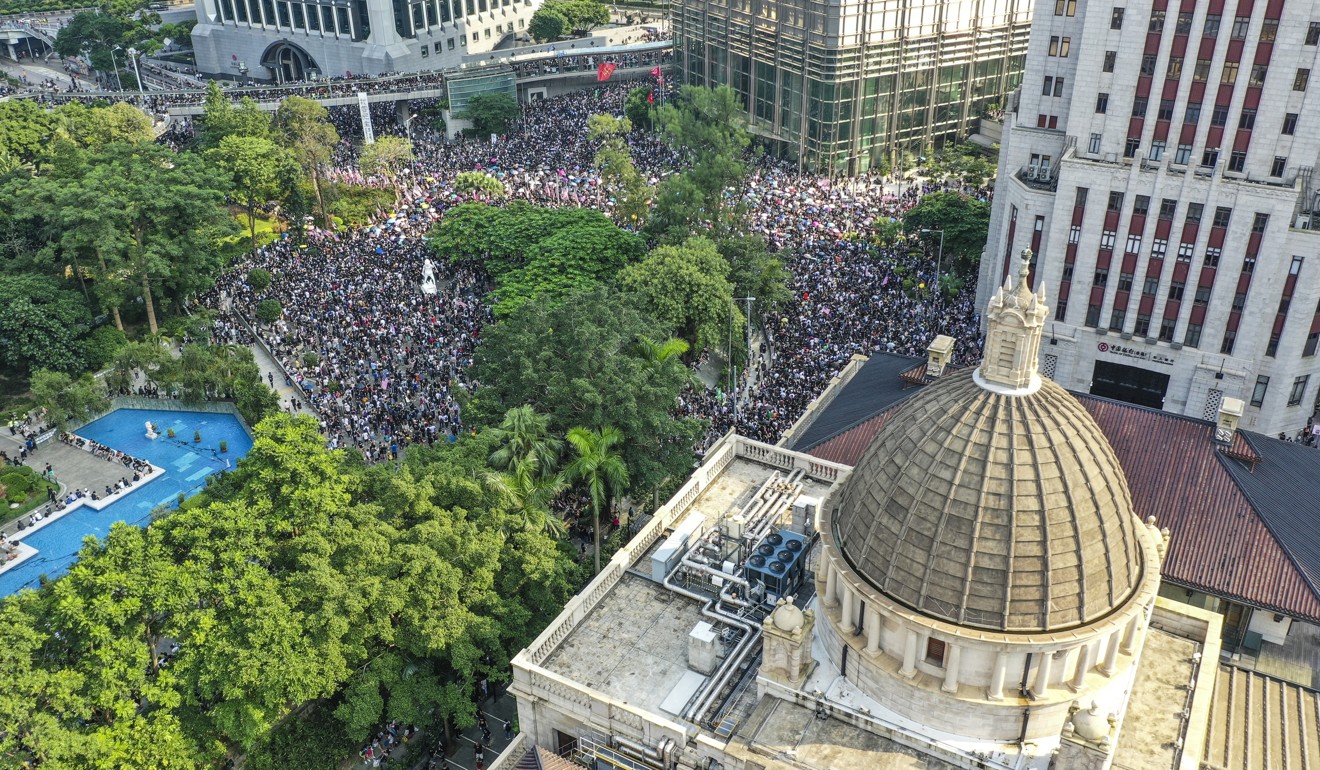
x,y
1014,321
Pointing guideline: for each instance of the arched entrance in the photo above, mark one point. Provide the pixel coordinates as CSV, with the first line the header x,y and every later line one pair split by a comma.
x,y
287,62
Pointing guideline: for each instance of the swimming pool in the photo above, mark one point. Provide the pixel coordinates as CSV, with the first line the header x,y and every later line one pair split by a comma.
x,y
186,465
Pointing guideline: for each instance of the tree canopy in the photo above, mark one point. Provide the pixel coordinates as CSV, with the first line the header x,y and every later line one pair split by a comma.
x,y
964,220
301,581
491,113
686,288
584,362
40,323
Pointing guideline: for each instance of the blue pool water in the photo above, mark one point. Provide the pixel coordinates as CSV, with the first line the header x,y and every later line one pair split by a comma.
x,y
186,466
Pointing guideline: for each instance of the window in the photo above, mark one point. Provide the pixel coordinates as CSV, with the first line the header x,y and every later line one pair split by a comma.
x,y
1193,336
1059,46
1156,21
1058,86
1210,157
1296,266
1194,212
426,51
1211,28
1269,29
1184,24
449,44
1183,155
1313,33
1258,73
1193,114
1115,201
1068,272
1228,75
1079,197
1167,327
1300,80
1094,146
1219,116
1074,234
1185,251
1174,69
1222,216
1237,161
1116,19
1298,390
1212,255
1289,124
1107,239
1140,205
1312,341
1176,291
1260,222
1151,286
1158,247
1117,317
1240,25
1277,167
1142,327
1131,146
935,651
1092,316
1157,150
1247,119
1102,103
1101,276
1148,64
1202,296
1111,57
1258,393
1065,7
1202,71
1166,110
1230,337
1125,282
1249,263
1167,208
1048,87
1139,106
1134,243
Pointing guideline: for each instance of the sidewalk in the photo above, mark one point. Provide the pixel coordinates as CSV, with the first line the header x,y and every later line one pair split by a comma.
x,y
273,375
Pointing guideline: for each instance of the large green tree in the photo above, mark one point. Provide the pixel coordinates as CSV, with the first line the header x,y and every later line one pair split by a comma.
x,y
40,324
965,222
686,287
66,398
259,171
580,363
631,194
598,464
491,113
304,127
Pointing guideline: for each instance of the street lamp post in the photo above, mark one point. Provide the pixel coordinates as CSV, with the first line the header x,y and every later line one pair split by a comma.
x,y
118,83
133,54
939,261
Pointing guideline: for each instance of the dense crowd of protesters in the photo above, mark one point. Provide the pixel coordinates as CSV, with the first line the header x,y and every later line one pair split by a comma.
x,y
377,360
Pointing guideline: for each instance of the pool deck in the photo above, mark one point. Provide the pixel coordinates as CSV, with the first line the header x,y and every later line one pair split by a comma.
x,y
74,469
26,552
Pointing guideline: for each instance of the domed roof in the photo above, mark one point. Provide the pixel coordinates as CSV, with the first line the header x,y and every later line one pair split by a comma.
x,y
787,617
993,511
992,499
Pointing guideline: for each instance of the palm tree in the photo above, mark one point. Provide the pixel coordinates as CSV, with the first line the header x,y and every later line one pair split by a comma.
x,y
600,465
526,437
526,492
657,353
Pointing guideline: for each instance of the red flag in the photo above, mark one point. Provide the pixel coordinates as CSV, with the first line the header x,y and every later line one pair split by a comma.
x,y
655,72
606,69
650,97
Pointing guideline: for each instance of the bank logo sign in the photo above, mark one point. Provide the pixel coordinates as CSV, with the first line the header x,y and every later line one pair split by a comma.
x,y
1154,357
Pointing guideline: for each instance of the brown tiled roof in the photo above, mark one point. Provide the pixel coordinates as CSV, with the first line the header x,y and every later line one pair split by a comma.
x,y
1219,544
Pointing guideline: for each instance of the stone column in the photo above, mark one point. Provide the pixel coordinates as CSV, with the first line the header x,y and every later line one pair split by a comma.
x,y
909,669
952,659
846,617
1111,654
873,632
996,691
1043,671
1082,667
831,583
1130,635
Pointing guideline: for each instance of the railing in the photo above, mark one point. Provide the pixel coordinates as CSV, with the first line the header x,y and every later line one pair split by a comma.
x,y
509,758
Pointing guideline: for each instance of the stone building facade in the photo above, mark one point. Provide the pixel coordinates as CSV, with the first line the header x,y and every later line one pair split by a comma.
x,y
288,40
1158,160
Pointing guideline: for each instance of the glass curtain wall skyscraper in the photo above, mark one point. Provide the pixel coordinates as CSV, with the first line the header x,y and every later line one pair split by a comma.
x,y
843,87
